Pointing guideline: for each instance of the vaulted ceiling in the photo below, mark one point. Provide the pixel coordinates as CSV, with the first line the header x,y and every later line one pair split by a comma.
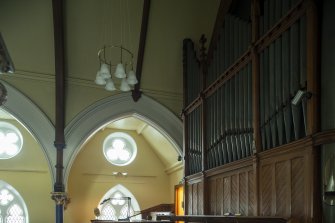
x,y
27,28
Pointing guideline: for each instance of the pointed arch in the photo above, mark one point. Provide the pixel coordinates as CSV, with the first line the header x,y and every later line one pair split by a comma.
x,y
12,208
37,123
126,193
113,108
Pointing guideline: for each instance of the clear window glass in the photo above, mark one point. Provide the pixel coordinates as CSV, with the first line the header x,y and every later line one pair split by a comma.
x,y
12,207
120,149
118,204
11,140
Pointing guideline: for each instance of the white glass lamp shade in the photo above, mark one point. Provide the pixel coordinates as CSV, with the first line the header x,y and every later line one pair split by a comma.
x,y
124,85
131,79
119,71
99,80
110,85
104,71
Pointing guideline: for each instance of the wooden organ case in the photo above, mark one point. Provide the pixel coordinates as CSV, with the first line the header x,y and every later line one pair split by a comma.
x,y
248,148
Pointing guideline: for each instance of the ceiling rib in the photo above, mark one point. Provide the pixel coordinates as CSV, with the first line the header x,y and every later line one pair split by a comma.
x,y
57,6
136,93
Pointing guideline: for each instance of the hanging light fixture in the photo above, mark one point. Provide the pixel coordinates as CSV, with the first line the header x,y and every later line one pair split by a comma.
x,y
123,70
116,62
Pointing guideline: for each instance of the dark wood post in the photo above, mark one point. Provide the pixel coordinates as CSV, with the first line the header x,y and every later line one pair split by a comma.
x,y
255,10
313,104
203,65
136,93
203,61
59,194
185,125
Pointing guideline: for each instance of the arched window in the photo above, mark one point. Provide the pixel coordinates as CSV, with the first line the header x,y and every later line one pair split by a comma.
x,y
118,203
10,140
12,207
119,148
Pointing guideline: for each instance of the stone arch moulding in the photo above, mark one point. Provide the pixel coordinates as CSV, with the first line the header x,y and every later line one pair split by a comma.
x,y
37,123
112,108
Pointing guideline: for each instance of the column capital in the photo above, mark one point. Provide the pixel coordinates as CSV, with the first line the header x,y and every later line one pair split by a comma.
x,y
61,198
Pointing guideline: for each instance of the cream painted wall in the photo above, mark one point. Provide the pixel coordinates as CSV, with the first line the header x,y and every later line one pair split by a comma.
x,y
171,22
175,179
28,173
28,31
90,178
27,28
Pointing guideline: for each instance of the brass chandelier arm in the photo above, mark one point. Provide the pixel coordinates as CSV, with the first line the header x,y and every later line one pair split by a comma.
x,y
102,54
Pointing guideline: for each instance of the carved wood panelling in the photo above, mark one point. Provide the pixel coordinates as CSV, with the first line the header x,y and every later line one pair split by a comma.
x,y
251,193
232,192
283,183
219,193
266,190
282,187
227,194
189,200
298,187
243,199
200,209
195,198
195,194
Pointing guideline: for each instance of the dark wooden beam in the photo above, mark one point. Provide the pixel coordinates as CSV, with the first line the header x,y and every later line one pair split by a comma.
x,y
57,6
136,93
281,26
59,195
222,219
221,80
313,67
255,14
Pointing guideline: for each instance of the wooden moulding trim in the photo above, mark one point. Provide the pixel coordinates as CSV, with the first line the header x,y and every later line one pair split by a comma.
x,y
195,178
324,137
229,73
281,26
195,104
315,140
223,219
237,166
296,146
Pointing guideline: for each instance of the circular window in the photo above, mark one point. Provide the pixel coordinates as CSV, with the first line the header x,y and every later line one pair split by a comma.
x,y
10,140
119,149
